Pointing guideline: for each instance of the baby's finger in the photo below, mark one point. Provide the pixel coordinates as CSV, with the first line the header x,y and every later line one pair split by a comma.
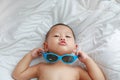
x,y
76,53
41,50
79,54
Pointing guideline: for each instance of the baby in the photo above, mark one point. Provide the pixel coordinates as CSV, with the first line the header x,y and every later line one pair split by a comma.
x,y
60,50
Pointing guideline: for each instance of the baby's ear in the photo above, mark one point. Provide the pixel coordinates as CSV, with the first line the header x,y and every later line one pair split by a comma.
x,y
76,46
45,46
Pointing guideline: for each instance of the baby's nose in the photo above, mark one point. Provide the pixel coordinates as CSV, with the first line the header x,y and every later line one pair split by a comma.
x,y
62,39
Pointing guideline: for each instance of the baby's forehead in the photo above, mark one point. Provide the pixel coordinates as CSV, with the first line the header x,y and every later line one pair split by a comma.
x,y
59,29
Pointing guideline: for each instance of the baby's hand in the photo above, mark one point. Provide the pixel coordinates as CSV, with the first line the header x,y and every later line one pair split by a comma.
x,y
36,52
82,56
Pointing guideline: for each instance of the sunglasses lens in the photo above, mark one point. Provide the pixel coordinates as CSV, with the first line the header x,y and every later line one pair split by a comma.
x,y
51,58
68,59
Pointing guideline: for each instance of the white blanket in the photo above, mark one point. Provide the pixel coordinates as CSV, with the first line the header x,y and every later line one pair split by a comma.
x,y
96,23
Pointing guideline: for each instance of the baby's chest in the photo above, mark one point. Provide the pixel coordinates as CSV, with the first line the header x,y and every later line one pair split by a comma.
x,y
62,73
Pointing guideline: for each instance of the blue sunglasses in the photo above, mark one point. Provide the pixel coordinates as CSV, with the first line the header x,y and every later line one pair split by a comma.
x,y
66,58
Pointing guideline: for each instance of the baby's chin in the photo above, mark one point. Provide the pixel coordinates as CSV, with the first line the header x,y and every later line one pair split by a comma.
x,y
61,52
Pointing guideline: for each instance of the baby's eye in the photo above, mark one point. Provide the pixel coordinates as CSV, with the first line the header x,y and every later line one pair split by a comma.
x,y
56,35
68,36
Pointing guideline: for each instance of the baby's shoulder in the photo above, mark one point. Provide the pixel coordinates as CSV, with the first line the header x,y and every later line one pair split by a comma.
x,y
42,64
78,68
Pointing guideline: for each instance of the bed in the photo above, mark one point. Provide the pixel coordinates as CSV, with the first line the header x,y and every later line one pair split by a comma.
x,y
96,23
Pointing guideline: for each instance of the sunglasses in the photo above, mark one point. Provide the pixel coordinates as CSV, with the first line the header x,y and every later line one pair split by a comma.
x,y
66,58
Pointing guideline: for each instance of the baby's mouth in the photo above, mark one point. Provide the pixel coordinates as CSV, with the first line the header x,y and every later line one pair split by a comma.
x,y
63,43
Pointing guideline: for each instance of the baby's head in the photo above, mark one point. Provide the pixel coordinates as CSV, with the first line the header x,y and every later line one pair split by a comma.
x,y
60,39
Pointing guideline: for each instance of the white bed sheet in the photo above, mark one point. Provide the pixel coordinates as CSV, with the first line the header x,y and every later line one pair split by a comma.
x,y
24,23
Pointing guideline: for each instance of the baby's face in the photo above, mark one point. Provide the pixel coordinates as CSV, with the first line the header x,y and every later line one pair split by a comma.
x,y
60,40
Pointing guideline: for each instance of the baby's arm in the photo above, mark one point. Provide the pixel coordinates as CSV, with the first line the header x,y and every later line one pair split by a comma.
x,y
23,71
92,68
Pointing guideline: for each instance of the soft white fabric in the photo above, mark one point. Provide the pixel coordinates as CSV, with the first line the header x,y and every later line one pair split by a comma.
x,y
96,23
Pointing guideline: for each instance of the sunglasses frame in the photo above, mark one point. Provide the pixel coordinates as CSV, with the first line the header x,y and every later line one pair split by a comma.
x,y
59,57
